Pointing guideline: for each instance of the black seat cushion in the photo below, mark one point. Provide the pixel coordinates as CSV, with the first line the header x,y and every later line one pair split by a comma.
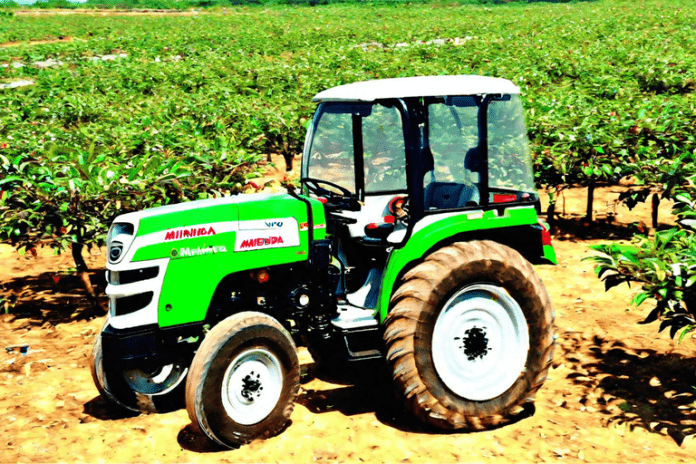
x,y
447,195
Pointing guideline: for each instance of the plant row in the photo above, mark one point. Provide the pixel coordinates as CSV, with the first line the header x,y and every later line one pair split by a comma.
x,y
129,112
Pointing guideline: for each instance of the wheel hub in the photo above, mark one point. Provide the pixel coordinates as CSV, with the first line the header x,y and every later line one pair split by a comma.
x,y
252,386
480,342
474,343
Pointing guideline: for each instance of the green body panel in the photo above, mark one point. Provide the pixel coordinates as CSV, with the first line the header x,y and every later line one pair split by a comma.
x,y
550,254
198,264
449,226
190,283
163,250
221,212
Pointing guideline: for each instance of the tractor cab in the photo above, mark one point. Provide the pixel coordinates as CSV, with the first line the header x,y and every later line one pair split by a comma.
x,y
389,157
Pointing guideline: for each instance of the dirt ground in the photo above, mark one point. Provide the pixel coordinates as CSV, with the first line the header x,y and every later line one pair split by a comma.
x,y
617,392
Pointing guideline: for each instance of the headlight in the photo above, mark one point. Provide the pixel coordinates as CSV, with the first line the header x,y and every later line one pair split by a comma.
x,y
118,240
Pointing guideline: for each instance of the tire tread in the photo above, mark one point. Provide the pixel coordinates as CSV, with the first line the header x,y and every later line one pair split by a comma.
x,y
206,356
418,296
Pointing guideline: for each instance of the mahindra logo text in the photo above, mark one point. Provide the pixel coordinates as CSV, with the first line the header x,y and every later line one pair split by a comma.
x,y
187,252
259,242
189,233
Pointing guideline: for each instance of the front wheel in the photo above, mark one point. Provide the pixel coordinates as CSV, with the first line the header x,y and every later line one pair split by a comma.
x,y
145,387
244,380
470,335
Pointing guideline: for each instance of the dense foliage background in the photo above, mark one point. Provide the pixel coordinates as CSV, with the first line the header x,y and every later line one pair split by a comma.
x,y
126,112
185,4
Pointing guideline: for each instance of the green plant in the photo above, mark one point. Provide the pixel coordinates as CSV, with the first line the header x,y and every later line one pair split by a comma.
x,y
664,267
205,97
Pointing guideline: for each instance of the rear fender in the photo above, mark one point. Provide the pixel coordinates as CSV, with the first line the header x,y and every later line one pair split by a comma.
x,y
435,231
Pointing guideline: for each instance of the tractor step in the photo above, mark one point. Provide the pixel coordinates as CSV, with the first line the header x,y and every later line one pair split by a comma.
x,y
360,331
353,317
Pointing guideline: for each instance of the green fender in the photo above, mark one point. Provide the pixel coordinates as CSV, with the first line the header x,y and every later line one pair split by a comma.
x,y
434,229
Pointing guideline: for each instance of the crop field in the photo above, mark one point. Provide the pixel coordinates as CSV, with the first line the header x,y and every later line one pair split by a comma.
x,y
125,112
104,112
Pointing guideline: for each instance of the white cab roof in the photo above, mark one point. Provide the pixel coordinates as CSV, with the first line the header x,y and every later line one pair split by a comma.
x,y
422,86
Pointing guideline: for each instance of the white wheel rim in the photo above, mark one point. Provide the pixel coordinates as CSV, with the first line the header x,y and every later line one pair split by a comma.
x,y
252,386
480,342
159,381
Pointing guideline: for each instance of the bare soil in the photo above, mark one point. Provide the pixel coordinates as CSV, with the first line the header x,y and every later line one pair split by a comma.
x,y
617,392
37,42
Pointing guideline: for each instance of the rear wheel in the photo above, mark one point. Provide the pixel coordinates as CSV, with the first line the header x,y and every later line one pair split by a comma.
x,y
143,387
244,380
470,335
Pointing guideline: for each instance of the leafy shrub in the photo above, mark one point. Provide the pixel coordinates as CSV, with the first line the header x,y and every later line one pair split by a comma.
x,y
664,266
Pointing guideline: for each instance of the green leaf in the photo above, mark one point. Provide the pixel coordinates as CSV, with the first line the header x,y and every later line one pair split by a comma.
x,y
685,331
640,298
630,257
9,179
660,273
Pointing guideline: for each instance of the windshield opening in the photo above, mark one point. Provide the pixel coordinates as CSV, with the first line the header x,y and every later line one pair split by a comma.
x,y
379,163
454,138
509,156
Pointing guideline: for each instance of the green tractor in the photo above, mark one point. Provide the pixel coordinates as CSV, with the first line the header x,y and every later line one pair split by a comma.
x,y
410,241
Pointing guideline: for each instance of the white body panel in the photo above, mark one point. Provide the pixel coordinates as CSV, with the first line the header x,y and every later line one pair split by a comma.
x,y
421,86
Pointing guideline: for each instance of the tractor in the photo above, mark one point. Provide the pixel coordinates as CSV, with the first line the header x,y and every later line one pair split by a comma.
x,y
409,241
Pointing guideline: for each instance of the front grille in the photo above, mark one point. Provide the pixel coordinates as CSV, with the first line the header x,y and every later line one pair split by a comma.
x,y
130,304
135,275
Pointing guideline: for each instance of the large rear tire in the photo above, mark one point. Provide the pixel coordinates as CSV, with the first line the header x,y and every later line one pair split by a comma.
x,y
244,380
139,388
470,336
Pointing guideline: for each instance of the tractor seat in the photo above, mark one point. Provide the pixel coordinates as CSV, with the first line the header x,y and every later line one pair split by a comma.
x,y
449,195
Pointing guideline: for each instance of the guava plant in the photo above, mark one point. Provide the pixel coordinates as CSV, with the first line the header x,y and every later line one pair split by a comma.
x,y
664,266
66,197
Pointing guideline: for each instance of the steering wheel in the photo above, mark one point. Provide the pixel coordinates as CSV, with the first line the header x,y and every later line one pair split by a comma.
x,y
314,186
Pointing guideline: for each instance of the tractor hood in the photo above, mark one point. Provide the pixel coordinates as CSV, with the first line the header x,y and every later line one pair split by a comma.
x,y
236,223
165,263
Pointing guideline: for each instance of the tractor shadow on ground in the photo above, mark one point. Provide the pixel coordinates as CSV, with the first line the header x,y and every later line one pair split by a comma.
x,y
572,227
100,409
372,391
642,387
191,438
55,298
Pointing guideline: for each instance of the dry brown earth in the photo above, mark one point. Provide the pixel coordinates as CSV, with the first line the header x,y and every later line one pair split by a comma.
x,y
618,391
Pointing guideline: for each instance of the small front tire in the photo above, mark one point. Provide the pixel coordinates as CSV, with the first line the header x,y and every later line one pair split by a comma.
x,y
244,380
139,388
